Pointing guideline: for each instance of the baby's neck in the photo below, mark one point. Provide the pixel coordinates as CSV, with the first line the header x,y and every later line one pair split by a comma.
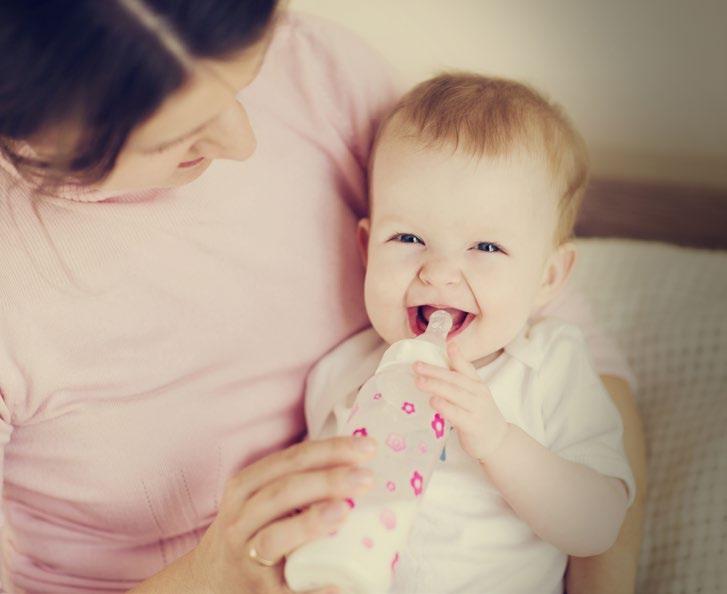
x,y
487,359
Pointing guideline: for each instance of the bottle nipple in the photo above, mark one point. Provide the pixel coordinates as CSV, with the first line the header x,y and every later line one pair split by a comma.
x,y
440,323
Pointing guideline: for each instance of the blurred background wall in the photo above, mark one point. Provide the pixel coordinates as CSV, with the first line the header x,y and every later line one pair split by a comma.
x,y
644,80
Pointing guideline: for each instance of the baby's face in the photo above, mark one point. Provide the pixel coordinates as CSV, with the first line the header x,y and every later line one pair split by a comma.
x,y
453,231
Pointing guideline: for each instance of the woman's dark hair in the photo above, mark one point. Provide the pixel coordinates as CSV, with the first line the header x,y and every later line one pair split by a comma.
x,y
103,67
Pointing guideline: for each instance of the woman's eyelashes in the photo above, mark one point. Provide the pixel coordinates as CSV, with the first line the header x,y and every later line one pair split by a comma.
x,y
165,148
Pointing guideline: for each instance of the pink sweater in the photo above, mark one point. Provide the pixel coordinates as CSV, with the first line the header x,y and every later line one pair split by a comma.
x,y
152,345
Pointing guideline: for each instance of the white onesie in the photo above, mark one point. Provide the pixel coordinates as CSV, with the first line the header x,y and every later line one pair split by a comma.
x,y
466,538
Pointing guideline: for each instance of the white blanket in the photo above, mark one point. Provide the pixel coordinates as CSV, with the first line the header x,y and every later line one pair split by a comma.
x,y
667,307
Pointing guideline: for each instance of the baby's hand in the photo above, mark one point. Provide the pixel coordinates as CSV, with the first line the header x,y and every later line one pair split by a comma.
x,y
460,396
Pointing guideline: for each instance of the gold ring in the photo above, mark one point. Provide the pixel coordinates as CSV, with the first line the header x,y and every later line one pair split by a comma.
x,y
252,552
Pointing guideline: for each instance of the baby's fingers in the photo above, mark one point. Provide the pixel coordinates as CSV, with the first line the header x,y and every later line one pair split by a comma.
x,y
455,378
452,413
447,391
459,363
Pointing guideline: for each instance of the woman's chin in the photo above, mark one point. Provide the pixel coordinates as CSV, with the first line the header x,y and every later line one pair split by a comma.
x,y
182,176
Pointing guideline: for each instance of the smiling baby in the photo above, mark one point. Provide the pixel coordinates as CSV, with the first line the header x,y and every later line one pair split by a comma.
x,y
475,186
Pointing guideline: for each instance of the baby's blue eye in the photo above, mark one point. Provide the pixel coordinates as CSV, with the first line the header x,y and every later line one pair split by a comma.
x,y
407,238
487,246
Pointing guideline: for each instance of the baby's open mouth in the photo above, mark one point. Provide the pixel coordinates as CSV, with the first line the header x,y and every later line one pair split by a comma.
x,y
420,314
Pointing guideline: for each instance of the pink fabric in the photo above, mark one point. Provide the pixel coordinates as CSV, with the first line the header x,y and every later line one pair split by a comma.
x,y
152,345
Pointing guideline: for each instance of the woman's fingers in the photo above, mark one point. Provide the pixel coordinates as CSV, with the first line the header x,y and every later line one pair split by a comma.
x,y
307,455
278,539
300,490
256,524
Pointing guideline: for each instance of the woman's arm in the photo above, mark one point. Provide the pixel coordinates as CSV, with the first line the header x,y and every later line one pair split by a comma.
x,y
614,572
177,577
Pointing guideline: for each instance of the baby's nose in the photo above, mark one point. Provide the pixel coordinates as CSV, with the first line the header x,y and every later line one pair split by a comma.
x,y
439,272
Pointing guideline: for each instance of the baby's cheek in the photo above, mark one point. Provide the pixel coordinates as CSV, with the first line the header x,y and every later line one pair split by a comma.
x,y
504,314
387,326
514,289
496,292
384,310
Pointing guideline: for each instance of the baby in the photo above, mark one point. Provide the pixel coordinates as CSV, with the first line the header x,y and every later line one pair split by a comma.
x,y
475,185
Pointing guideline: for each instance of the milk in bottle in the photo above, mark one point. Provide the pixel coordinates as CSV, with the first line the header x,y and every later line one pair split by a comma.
x,y
361,556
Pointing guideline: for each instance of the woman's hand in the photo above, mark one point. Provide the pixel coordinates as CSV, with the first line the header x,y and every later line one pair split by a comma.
x,y
271,507
463,399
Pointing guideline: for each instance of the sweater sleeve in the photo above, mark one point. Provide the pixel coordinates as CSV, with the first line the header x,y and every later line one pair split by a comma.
x,y
6,430
357,87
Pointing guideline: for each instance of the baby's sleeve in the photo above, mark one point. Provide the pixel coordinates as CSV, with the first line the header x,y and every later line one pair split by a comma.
x,y
334,381
581,423
321,399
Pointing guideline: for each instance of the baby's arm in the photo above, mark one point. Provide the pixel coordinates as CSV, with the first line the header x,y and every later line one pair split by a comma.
x,y
572,506
612,572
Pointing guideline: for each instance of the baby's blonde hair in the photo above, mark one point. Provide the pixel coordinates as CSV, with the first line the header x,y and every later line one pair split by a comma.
x,y
492,117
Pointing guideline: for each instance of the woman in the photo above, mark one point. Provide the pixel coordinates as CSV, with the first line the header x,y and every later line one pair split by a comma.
x,y
180,185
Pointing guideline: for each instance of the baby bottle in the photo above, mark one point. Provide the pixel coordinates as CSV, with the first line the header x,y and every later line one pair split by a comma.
x,y
361,557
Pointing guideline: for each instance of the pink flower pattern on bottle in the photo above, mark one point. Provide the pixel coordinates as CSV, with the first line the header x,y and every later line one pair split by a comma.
x,y
438,425
407,435
387,518
396,442
417,482
408,408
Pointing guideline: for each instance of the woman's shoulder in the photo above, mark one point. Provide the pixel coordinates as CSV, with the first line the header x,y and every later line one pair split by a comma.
x,y
323,75
327,41
30,260
19,235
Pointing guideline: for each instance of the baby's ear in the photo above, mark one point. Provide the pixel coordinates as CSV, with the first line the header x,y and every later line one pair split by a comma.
x,y
362,239
557,271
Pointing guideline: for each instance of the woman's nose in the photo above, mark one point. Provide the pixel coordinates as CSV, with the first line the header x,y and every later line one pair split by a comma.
x,y
439,272
230,136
